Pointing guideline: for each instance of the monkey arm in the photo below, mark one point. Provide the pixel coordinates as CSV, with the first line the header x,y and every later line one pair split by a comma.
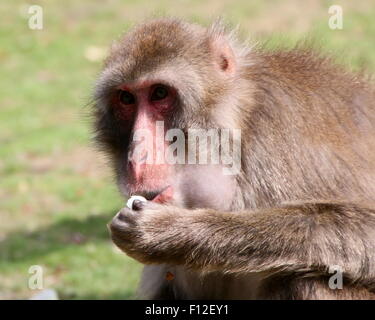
x,y
301,237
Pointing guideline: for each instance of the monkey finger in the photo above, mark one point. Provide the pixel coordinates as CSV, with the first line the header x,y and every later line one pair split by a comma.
x,y
123,219
135,202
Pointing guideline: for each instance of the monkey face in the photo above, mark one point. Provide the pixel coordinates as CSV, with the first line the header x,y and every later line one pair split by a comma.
x,y
151,92
161,162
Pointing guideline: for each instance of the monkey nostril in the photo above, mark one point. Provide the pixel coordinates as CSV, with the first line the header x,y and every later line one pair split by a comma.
x,y
138,159
144,158
136,164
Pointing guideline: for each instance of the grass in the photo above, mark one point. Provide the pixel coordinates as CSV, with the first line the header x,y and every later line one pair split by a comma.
x,y
56,192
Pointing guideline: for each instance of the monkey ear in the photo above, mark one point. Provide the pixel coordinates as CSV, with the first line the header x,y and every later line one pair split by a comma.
x,y
221,48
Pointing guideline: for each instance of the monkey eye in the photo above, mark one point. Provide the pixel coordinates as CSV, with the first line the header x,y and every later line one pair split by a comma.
x,y
160,92
126,97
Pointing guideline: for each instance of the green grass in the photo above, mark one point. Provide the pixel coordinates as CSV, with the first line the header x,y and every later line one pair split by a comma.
x,y
56,192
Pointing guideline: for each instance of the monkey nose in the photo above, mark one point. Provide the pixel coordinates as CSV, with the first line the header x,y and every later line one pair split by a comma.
x,y
137,164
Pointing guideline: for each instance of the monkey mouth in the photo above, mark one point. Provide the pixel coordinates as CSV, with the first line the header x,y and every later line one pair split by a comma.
x,y
162,195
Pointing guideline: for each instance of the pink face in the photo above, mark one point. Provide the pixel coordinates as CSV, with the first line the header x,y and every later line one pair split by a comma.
x,y
141,105
152,99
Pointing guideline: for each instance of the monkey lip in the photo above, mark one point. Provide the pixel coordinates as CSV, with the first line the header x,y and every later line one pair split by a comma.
x,y
159,196
164,196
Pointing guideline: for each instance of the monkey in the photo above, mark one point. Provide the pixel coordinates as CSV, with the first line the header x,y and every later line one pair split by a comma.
x,y
303,200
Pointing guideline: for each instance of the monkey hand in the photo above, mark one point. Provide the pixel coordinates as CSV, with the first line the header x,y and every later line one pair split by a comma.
x,y
153,234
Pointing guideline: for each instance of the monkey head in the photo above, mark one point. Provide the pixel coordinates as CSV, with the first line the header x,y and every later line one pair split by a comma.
x,y
166,75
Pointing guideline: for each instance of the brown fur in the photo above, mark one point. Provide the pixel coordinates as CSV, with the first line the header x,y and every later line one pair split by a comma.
x,y
304,200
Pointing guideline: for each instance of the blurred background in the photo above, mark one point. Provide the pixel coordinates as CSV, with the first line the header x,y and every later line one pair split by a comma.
x,y
56,192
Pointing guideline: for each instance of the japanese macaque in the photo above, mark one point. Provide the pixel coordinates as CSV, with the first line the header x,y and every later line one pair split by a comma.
x,y
302,202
